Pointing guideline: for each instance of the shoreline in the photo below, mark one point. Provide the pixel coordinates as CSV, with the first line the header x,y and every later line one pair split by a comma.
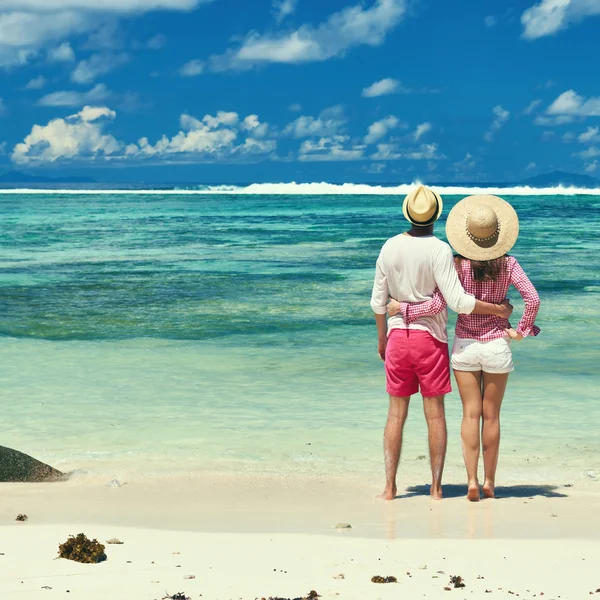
x,y
292,505
249,538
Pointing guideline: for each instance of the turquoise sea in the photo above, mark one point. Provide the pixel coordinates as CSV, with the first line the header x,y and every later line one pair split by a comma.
x,y
151,333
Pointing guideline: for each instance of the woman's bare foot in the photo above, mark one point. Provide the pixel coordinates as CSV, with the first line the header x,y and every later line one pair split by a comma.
x,y
388,494
473,491
436,492
488,489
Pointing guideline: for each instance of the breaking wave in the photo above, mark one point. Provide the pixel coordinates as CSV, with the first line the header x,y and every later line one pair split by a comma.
x,y
319,189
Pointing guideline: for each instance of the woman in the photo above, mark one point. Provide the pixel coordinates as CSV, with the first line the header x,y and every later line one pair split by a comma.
x,y
482,229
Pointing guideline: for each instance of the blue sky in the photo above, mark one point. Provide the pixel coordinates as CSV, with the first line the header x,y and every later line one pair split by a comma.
x,y
281,90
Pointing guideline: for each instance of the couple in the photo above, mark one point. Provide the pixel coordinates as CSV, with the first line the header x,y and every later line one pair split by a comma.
x,y
416,278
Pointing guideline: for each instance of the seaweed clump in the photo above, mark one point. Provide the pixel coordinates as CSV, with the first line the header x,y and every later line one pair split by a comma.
x,y
22,518
380,579
81,549
311,596
178,596
457,581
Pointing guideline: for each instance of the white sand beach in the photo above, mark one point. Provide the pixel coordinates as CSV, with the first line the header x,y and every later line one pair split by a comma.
x,y
228,538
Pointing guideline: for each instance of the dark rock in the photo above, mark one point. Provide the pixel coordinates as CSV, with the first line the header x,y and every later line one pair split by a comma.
x,y
18,467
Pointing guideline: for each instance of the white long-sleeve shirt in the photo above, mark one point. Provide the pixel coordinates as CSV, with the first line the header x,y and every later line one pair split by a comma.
x,y
409,269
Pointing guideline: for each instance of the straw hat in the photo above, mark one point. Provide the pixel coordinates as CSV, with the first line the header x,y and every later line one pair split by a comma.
x,y
422,206
482,227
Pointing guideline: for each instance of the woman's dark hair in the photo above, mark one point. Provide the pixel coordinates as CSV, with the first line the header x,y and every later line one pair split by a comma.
x,y
485,270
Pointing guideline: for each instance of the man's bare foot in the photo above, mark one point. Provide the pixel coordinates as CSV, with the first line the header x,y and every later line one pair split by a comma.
x,y
488,489
473,491
388,493
436,492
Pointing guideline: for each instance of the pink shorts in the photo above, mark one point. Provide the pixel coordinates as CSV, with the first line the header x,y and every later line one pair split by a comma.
x,y
413,359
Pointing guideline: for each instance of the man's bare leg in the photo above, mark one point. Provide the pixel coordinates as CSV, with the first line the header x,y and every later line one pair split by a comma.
x,y
392,443
438,439
494,385
469,386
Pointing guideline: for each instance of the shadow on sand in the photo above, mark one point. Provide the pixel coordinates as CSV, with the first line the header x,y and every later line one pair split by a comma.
x,y
453,490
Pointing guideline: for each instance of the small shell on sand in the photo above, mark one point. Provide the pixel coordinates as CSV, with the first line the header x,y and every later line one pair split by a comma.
x,y
114,541
115,483
343,526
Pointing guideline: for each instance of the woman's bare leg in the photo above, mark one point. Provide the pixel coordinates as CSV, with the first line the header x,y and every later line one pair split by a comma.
x,y
469,386
494,385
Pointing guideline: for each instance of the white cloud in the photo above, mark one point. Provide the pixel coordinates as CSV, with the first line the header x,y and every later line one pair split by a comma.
x,y
380,129
222,137
589,135
393,86
90,69
79,136
376,168
342,31
62,53
29,26
283,9
570,103
23,33
117,6
490,21
468,163
68,98
421,130
551,121
531,107
391,152
209,139
252,125
425,152
531,166
549,16
192,68
380,88
330,122
157,42
37,83
295,107
501,117
591,152
591,167
334,148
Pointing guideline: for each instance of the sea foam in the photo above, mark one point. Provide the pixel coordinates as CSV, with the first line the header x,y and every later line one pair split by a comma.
x,y
319,189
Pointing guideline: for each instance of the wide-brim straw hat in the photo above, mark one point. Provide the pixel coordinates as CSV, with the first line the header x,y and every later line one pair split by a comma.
x,y
482,227
422,206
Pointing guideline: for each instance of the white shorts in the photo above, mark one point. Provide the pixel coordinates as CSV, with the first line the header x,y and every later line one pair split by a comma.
x,y
494,356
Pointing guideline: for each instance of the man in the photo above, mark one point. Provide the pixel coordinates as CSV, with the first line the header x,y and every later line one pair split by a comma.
x,y
409,268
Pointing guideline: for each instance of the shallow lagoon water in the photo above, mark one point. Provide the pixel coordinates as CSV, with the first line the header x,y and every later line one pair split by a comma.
x,y
151,334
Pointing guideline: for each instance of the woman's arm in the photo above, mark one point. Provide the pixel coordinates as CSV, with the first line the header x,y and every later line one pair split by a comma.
x,y
411,311
518,278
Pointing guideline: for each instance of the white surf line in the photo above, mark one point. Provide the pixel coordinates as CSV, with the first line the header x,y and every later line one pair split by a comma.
x,y
317,189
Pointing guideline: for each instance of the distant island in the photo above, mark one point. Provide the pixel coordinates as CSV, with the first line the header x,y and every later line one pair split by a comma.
x,y
18,177
557,178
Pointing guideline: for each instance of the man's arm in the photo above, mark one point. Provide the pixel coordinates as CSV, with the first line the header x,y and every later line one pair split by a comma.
x,y
379,299
381,322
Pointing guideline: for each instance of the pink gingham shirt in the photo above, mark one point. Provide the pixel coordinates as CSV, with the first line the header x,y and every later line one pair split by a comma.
x,y
484,327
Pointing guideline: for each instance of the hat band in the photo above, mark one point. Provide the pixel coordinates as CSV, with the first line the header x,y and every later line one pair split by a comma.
x,y
485,239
